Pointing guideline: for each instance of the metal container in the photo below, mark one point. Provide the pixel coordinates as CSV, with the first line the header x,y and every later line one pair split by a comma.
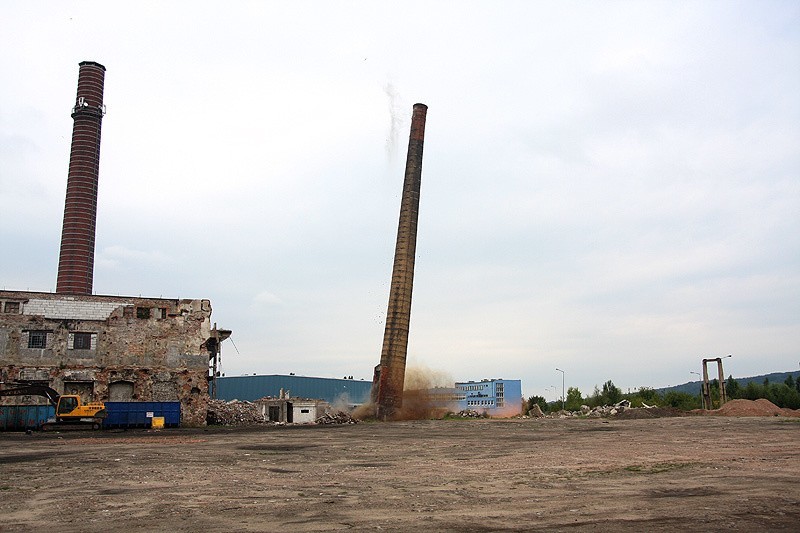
x,y
141,414
22,417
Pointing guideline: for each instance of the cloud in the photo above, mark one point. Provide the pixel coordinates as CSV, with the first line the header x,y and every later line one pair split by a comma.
x,y
613,190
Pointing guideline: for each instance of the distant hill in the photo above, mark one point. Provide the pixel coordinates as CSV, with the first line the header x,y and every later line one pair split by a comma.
x,y
693,387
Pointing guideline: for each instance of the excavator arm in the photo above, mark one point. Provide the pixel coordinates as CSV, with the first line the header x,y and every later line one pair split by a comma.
x,y
33,390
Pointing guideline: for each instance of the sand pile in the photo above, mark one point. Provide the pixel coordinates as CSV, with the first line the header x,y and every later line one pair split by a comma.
x,y
760,407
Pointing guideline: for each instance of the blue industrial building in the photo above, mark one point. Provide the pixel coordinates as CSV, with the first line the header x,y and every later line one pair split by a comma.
x,y
498,397
495,397
348,391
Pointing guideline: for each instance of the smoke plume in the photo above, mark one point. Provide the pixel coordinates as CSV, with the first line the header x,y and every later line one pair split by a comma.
x,y
395,121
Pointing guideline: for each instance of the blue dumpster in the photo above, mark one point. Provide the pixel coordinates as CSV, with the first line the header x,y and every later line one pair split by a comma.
x,y
140,414
22,417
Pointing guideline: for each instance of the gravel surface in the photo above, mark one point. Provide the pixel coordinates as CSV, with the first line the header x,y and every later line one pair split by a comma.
x,y
695,473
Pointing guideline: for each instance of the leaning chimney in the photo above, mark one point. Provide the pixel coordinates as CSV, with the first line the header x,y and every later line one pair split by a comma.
x,y
391,375
76,260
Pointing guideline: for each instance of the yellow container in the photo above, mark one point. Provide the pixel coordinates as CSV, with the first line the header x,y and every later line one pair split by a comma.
x,y
158,422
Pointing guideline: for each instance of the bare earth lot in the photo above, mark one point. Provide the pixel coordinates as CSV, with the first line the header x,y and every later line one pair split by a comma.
x,y
665,474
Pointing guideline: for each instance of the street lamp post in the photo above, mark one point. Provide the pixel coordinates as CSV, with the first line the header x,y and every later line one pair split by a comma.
x,y
723,388
563,396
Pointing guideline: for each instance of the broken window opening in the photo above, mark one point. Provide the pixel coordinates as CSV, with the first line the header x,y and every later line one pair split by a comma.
x,y
120,391
84,389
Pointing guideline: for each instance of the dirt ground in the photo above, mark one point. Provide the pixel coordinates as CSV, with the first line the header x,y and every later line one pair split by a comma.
x,y
662,474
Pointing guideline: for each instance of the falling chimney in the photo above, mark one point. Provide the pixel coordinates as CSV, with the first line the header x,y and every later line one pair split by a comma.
x,y
391,375
76,261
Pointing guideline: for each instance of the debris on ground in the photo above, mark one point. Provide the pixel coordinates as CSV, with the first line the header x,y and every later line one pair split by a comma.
x,y
636,413
536,412
233,413
339,417
471,413
623,410
620,409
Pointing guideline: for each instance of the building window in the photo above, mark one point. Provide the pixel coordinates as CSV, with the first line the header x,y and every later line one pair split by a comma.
x,y
82,341
11,307
162,312
142,312
37,339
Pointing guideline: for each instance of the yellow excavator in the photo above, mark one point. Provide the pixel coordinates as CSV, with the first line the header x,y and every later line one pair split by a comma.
x,y
70,408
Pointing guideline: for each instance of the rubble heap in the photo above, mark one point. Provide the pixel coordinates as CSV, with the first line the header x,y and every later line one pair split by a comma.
x,y
339,417
605,410
233,413
621,409
471,413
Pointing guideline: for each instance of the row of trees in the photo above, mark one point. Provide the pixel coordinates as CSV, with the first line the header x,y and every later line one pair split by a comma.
x,y
786,394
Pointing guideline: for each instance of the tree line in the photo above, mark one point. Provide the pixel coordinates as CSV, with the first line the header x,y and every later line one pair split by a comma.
x,y
785,394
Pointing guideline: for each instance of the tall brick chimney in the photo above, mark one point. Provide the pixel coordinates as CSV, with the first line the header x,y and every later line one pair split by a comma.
x,y
398,316
76,260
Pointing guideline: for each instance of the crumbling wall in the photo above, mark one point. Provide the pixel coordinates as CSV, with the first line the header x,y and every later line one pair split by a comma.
x,y
157,345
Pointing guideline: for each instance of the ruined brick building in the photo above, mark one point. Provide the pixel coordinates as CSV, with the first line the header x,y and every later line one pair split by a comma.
x,y
107,348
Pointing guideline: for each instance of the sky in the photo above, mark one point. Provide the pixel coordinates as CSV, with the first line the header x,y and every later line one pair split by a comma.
x,y
608,188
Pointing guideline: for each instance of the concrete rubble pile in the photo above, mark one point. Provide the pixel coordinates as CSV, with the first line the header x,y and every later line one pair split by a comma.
x,y
605,410
233,413
470,413
585,411
339,417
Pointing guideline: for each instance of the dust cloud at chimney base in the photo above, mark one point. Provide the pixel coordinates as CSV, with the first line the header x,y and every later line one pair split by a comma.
x,y
419,396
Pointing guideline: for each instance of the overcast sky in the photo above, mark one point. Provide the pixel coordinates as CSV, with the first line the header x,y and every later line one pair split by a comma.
x,y
610,188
